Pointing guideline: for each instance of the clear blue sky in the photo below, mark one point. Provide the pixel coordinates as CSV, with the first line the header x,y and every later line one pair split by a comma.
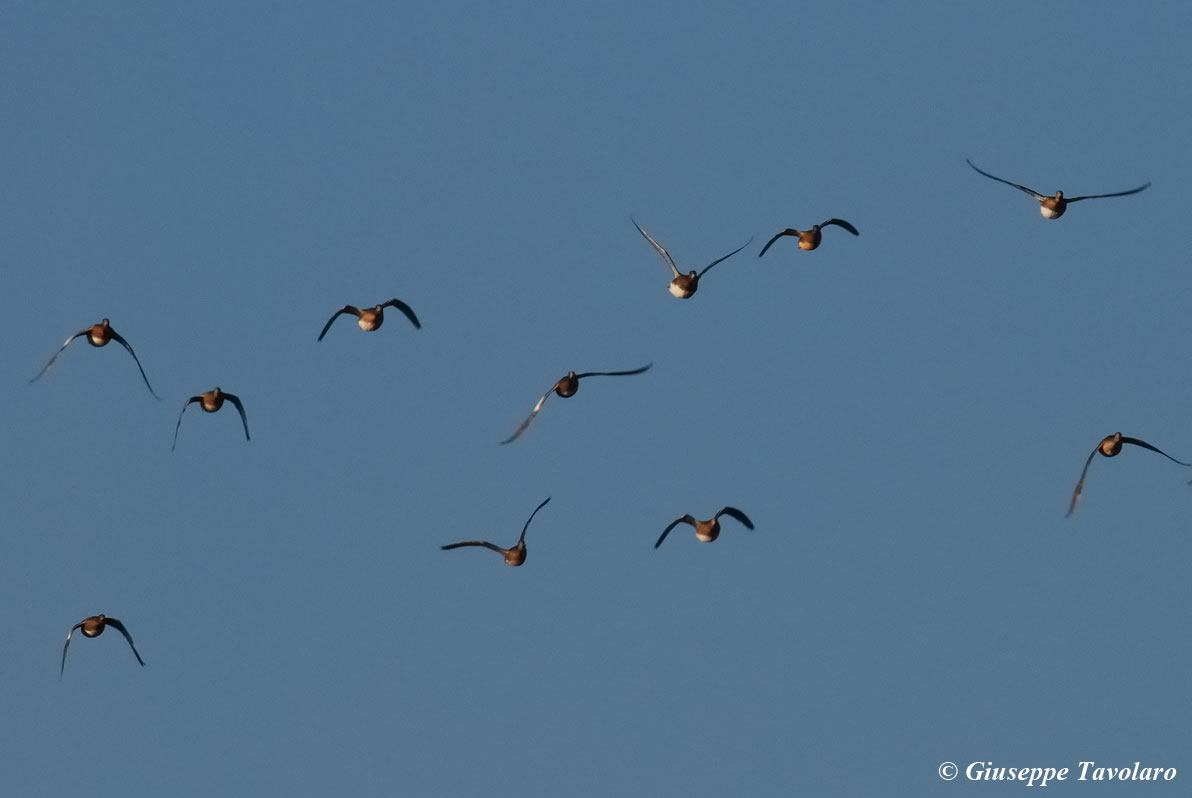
x,y
903,414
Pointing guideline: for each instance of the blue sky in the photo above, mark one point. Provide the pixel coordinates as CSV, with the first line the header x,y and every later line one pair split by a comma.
x,y
903,414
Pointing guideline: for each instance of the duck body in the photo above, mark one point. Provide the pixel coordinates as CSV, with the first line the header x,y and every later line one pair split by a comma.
x,y
99,334
212,400
93,626
1053,207
515,556
684,286
567,386
371,319
707,531
810,239
1111,445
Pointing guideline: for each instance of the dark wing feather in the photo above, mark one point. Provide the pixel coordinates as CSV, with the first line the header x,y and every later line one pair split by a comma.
x,y
841,223
529,418
1030,191
1116,194
1146,445
687,519
613,373
120,340
46,367
179,424
119,627
345,309
404,308
733,512
726,257
1080,484
787,232
522,539
65,647
483,543
243,418
665,255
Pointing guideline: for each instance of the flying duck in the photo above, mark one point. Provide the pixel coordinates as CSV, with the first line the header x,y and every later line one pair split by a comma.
x,y
93,627
1110,446
706,531
371,319
211,401
1054,207
684,285
566,387
809,239
513,556
99,335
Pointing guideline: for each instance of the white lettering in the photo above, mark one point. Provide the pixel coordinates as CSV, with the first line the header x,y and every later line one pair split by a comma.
x,y
1137,773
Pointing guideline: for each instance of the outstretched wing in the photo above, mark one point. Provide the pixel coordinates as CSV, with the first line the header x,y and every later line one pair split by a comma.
x,y
665,255
1030,191
1146,445
55,357
1116,194
841,223
345,309
733,512
119,627
1080,484
529,418
179,424
687,519
613,373
787,232
483,543
65,647
243,418
404,308
522,539
120,340
726,257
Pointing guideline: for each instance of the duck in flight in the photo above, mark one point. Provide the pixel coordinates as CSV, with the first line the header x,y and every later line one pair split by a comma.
x,y
1110,446
371,319
211,401
1054,207
684,285
809,239
513,556
93,627
706,531
566,387
99,335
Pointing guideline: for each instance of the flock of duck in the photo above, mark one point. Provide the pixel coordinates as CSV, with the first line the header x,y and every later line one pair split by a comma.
x,y
682,286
